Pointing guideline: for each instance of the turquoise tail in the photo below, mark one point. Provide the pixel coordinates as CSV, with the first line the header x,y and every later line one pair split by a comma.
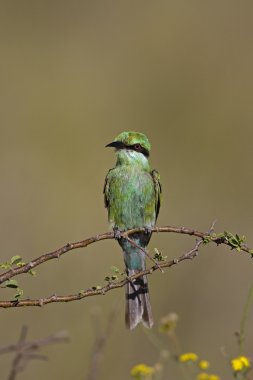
x,y
138,307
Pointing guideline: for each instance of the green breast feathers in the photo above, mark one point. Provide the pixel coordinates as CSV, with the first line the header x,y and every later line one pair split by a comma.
x,y
132,196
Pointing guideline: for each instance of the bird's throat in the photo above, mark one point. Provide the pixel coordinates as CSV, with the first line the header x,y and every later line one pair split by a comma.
x,y
131,157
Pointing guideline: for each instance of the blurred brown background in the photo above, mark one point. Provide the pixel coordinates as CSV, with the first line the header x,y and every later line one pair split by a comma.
x,y
74,75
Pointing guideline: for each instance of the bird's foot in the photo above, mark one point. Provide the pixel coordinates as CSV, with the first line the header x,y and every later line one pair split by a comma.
x,y
148,230
117,233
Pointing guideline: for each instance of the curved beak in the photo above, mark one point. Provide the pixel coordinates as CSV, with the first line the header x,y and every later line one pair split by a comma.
x,y
115,144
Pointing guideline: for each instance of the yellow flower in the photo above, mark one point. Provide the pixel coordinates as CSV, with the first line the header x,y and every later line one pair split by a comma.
x,y
204,364
203,376
213,377
245,361
206,376
240,363
188,356
141,371
236,364
168,323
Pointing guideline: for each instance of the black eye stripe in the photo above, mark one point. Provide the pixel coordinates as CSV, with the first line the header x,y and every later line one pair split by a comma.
x,y
138,148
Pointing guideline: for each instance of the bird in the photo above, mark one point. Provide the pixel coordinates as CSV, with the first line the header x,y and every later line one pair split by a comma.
x,y
132,196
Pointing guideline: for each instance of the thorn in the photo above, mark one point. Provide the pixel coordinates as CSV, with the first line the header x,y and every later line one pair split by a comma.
x,y
41,302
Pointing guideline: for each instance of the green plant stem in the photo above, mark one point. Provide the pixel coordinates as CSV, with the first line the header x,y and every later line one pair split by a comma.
x,y
154,339
244,318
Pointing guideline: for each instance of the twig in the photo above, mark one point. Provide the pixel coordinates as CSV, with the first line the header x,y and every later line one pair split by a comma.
x,y
144,251
60,337
112,285
194,251
26,351
15,367
90,292
107,235
99,344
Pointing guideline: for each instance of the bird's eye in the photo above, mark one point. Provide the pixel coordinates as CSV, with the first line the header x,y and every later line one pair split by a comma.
x,y
138,147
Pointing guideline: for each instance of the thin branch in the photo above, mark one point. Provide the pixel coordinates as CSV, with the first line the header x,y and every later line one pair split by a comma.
x,y
93,292
244,318
100,342
107,235
53,255
16,363
28,350
202,237
60,337
143,250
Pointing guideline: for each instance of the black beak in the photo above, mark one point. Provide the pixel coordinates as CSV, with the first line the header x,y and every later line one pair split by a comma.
x,y
115,144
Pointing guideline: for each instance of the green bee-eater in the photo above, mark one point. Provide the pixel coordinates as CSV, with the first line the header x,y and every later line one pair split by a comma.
x,y
132,196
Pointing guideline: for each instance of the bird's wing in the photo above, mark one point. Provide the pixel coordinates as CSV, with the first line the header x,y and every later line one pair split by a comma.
x,y
106,189
158,190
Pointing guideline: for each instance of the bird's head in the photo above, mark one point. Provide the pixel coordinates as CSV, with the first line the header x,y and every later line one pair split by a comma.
x,y
132,142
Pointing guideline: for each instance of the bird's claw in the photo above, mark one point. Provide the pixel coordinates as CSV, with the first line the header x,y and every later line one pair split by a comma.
x,y
117,234
147,230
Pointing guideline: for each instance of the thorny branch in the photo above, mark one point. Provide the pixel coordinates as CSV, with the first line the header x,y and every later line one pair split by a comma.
x,y
144,251
202,237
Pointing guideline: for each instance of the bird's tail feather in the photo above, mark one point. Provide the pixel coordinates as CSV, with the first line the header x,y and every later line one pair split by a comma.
x,y
138,308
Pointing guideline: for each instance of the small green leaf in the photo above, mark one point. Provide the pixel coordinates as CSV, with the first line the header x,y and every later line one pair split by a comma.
x,y
159,256
15,260
5,265
19,293
221,235
32,272
98,287
206,239
115,269
20,264
233,242
11,284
